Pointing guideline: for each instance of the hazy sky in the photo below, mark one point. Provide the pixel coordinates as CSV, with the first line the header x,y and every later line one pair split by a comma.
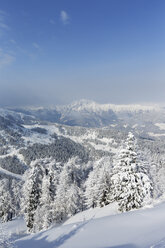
x,y
57,51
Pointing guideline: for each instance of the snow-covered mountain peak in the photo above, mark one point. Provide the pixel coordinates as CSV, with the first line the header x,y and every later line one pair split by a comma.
x,y
91,106
85,105
90,114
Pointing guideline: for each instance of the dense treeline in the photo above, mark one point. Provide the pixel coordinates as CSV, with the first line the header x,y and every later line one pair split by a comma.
x,y
61,149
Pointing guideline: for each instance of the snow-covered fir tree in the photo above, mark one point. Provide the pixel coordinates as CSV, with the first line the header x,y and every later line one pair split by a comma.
x,y
98,184
6,204
10,194
160,176
39,193
44,215
69,196
16,186
157,171
130,183
32,193
43,218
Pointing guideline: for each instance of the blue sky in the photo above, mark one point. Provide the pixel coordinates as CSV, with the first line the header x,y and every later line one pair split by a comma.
x,y
57,51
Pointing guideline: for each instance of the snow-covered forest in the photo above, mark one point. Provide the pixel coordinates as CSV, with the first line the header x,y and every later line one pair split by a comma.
x,y
51,192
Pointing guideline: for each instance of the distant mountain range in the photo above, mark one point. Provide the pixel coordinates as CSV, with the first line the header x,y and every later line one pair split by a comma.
x,y
87,113
85,129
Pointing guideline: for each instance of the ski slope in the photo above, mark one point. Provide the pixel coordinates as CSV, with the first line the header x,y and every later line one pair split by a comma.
x,y
97,229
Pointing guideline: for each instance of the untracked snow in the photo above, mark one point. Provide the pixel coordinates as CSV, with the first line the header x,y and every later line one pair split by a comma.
x,y
94,228
160,125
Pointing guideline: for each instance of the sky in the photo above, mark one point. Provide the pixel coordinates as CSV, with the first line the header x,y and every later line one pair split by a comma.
x,y
58,51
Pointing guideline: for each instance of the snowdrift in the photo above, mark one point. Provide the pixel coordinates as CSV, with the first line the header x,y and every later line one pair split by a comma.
x,y
96,229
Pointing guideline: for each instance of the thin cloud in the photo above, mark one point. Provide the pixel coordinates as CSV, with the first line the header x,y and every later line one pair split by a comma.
x,y
5,58
64,17
13,41
52,21
2,12
36,45
3,24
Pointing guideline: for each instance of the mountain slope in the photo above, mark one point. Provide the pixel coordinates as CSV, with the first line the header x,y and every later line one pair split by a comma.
x,y
20,143
141,228
10,174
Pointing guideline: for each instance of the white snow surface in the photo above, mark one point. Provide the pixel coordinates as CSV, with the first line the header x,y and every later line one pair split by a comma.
x,y
37,138
160,125
11,174
156,134
97,228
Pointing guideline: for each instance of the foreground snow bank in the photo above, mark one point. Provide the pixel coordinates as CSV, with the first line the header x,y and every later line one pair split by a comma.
x,y
141,228
11,231
94,213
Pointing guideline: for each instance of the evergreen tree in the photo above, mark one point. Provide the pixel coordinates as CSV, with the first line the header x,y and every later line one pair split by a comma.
x,y
160,177
68,199
39,192
91,189
98,184
130,183
42,217
75,199
16,186
32,193
44,214
6,205
104,188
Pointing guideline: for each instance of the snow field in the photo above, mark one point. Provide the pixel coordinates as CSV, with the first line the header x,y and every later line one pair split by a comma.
x,y
94,229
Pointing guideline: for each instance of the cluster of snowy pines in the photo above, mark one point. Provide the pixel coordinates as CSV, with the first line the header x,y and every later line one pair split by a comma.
x,y
9,198
52,193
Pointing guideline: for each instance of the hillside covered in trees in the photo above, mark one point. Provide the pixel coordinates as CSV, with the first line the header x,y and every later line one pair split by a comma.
x,y
50,172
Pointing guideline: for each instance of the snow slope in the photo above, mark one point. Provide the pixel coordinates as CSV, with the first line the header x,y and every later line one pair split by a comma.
x,y
94,229
8,173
